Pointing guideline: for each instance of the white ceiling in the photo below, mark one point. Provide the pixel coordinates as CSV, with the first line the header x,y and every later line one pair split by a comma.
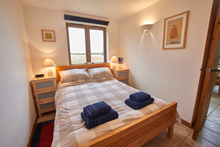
x,y
112,9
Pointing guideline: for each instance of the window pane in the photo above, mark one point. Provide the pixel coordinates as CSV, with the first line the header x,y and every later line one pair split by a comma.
x,y
97,45
77,45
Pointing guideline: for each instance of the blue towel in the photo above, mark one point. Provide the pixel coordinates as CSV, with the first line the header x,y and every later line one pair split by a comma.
x,y
97,109
91,123
138,105
139,96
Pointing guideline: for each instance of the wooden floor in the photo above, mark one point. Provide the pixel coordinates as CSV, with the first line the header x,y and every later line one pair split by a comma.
x,y
182,137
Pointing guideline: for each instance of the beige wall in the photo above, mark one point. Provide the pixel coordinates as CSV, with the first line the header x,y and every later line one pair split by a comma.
x,y
41,18
172,75
17,109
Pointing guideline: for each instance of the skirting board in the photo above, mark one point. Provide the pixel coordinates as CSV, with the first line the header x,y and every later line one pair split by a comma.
x,y
186,123
32,132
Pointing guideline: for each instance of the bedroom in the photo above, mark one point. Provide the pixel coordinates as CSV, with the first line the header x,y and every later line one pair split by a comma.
x,y
166,73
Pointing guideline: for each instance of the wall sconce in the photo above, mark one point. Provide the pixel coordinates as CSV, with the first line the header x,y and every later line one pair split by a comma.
x,y
146,27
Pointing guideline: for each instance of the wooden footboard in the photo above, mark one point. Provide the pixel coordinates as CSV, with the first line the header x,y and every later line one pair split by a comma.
x,y
140,131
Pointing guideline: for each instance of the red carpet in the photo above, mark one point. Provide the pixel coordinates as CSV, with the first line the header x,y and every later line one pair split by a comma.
x,y
43,135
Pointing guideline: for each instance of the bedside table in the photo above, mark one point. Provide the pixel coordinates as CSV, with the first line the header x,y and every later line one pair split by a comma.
x,y
44,93
121,75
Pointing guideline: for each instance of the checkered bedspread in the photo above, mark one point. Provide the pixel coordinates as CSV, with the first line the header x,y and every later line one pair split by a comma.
x,y
70,99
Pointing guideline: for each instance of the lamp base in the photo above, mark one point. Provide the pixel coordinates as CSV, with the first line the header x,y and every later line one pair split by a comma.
x,y
49,72
120,66
113,66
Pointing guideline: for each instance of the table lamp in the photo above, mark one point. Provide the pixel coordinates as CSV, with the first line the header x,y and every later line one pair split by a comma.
x,y
49,63
114,60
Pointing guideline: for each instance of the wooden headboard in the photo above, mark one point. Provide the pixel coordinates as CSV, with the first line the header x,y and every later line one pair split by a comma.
x,y
59,68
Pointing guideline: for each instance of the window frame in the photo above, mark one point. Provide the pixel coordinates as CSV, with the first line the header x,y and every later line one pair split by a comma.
x,y
87,40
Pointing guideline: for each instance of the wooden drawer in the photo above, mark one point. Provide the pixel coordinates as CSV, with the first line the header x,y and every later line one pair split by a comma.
x,y
45,107
122,74
123,80
46,95
44,84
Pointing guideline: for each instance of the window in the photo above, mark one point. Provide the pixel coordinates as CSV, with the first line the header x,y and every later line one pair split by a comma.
x,y
86,43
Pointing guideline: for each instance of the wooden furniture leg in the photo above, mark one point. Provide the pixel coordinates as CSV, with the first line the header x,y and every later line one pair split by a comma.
x,y
170,131
219,89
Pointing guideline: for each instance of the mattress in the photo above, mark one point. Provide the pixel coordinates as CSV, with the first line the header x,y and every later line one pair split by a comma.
x,y
71,97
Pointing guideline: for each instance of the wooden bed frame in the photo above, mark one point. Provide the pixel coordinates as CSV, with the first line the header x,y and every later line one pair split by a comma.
x,y
138,132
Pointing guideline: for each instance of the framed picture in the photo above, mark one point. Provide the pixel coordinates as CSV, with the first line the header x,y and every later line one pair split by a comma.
x,y
174,35
48,35
120,60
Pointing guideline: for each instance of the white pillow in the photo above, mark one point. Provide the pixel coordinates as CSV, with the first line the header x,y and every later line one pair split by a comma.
x,y
73,74
101,72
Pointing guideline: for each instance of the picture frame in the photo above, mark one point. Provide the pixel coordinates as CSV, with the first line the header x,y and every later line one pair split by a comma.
x,y
174,34
120,60
48,35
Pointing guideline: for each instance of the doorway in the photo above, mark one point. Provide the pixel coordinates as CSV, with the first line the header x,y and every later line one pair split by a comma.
x,y
211,128
207,103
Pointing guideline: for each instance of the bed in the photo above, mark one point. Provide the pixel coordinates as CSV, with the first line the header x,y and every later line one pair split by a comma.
x,y
132,128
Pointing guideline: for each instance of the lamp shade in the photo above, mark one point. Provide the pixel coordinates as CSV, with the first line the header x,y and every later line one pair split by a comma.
x,y
146,27
49,63
114,59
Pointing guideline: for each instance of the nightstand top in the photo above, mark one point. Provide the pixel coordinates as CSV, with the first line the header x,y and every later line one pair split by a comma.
x,y
43,78
119,69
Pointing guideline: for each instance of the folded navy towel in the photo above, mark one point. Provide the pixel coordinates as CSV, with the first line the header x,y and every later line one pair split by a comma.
x,y
139,96
138,105
91,123
97,109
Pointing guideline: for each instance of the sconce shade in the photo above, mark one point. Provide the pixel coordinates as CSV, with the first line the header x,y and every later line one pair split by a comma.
x,y
49,63
114,59
146,27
